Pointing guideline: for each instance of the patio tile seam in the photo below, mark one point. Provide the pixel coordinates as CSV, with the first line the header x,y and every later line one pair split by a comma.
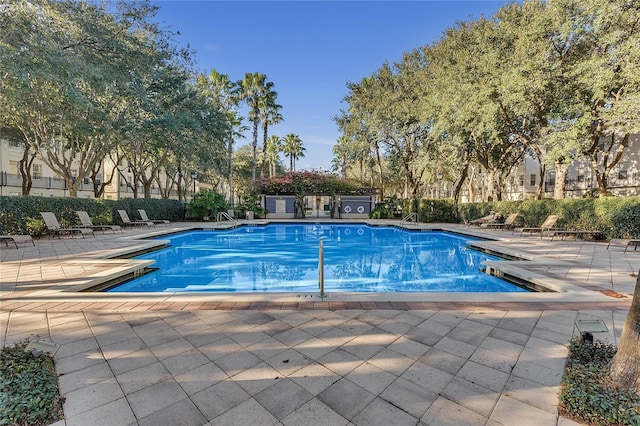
x,y
139,306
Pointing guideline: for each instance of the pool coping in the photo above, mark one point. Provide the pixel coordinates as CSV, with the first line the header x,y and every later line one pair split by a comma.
x,y
114,266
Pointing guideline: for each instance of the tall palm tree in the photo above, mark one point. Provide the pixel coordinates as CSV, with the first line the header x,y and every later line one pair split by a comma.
x,y
220,92
293,148
274,146
269,114
252,89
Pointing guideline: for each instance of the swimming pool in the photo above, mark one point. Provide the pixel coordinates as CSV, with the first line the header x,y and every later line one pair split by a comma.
x,y
284,258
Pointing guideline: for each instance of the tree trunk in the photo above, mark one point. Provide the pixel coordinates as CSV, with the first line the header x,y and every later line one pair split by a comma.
x,y
561,179
625,367
25,169
540,190
230,167
380,171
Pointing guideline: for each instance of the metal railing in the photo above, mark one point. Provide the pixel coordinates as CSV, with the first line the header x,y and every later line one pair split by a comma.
x,y
321,266
408,218
224,216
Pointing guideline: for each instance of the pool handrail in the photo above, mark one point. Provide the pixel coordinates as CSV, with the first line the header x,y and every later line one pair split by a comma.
x,y
225,216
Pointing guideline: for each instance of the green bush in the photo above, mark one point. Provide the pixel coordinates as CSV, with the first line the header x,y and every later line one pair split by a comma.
x,y
250,203
28,388
587,393
206,203
616,217
21,214
430,211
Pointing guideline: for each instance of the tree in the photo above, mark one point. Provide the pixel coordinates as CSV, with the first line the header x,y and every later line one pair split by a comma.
x,y
274,147
609,79
292,148
71,74
269,114
625,367
253,89
222,93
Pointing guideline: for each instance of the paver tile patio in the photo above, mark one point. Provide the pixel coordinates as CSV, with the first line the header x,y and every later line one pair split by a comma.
x,y
128,361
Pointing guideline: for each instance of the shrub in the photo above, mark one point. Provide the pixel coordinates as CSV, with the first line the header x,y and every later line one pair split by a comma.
x,y
28,388
588,395
616,217
206,203
250,203
21,214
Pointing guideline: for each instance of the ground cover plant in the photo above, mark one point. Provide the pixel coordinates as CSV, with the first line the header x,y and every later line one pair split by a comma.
x,y
588,394
28,388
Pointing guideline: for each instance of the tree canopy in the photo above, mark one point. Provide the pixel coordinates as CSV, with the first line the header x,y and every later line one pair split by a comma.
x,y
552,80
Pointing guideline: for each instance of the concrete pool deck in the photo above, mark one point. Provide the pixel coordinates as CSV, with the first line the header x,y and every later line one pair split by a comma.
x,y
297,359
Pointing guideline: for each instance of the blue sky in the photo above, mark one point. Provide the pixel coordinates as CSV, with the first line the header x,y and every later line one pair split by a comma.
x,y
310,50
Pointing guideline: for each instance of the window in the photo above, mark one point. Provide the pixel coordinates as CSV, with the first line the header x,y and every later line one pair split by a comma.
x,y
552,179
521,180
37,171
13,168
580,178
532,179
623,174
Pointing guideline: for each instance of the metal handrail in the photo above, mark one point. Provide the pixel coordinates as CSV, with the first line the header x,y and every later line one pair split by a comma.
x,y
321,266
225,216
410,216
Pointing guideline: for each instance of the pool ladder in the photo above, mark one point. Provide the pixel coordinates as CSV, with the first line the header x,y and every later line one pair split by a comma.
x,y
408,218
224,216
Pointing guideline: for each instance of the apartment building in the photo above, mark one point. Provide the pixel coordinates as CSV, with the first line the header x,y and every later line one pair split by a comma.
x,y
47,184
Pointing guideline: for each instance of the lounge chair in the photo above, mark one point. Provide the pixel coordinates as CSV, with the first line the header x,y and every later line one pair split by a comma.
x,y
17,239
544,229
508,223
484,219
87,223
143,215
54,227
625,242
128,222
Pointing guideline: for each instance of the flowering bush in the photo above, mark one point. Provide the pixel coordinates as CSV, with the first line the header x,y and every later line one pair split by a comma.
x,y
304,182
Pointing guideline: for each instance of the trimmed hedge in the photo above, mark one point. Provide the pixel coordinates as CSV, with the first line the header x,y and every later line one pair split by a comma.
x,y
21,215
616,217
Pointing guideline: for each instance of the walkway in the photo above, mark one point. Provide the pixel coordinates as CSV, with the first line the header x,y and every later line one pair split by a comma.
x,y
212,360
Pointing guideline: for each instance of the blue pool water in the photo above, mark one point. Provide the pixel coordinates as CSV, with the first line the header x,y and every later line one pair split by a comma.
x,y
284,258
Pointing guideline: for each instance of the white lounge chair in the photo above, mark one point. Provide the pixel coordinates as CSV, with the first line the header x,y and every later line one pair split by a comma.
x,y
87,223
54,227
143,215
128,222
15,239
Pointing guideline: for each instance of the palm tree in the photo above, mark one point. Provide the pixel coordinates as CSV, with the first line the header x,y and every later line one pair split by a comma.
x,y
220,92
269,114
274,146
292,148
253,89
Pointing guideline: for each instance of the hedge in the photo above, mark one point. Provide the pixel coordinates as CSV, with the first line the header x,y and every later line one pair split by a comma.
x,y
21,215
616,217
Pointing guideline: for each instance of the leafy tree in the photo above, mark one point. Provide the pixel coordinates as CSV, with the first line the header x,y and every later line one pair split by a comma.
x,y
75,79
609,79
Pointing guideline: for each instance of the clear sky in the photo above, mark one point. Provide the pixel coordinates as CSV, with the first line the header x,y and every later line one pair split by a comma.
x,y
310,50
